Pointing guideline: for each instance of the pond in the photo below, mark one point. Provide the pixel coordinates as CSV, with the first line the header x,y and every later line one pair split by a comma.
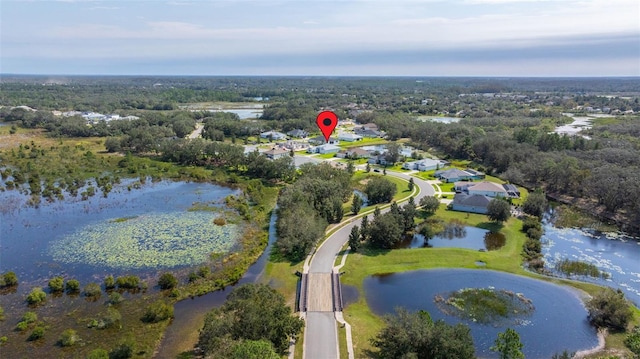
x,y
614,253
137,232
243,113
465,237
440,119
558,310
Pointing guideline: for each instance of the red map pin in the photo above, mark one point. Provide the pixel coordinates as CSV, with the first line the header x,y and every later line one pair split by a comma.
x,y
327,121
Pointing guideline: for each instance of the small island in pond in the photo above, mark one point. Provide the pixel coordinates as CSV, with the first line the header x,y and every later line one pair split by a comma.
x,y
486,305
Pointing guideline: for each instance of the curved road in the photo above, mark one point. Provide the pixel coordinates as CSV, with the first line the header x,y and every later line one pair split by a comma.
x,y
321,334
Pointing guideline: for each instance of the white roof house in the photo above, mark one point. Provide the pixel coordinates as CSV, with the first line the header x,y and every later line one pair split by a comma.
x,y
349,137
274,135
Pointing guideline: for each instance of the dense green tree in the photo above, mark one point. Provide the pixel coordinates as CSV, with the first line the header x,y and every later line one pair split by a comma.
x,y
354,239
609,308
411,184
429,204
408,214
167,281
385,231
356,204
379,190
508,345
251,312
37,333
415,335
364,229
535,204
498,210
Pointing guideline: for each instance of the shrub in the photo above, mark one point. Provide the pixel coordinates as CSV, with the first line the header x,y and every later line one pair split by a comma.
x,y
167,281
111,320
72,286
3,339
193,277
37,333
204,271
109,282
36,296
158,312
30,317
122,351
219,221
531,222
128,282
92,290
115,298
632,341
609,309
56,284
22,326
1,313
68,338
98,354
8,279
534,233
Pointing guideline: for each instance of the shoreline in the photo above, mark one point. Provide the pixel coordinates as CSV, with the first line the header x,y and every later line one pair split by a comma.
x,y
598,348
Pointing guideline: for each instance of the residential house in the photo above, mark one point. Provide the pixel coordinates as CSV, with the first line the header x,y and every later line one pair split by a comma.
x,y
489,189
349,137
298,133
276,152
378,160
426,164
455,175
369,133
273,135
512,190
319,140
474,203
324,149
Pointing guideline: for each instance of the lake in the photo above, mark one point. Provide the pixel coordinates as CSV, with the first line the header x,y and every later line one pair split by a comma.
x,y
559,321
439,119
614,253
138,232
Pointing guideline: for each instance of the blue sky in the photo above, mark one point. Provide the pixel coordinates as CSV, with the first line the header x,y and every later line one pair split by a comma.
x,y
317,37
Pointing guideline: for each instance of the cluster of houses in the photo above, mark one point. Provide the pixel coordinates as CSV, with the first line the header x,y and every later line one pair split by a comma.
x,y
298,139
94,117
474,197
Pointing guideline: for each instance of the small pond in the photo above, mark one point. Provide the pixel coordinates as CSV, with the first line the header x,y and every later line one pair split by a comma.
x,y
614,253
464,237
137,231
559,321
243,113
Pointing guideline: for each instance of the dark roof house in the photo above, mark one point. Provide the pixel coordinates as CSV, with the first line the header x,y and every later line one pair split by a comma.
x,y
474,203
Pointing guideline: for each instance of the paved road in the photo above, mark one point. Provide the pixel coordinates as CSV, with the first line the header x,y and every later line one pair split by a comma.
x,y
321,334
